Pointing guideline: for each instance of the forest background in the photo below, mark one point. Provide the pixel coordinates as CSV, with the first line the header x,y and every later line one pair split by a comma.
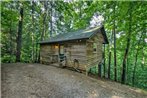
x,y
25,23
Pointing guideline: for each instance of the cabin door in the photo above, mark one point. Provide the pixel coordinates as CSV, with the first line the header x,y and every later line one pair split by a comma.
x,y
61,53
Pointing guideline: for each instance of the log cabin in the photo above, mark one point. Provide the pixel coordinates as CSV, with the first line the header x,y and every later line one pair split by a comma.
x,y
80,49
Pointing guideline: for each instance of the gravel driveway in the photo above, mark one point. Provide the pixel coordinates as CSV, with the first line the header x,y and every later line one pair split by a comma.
x,y
41,81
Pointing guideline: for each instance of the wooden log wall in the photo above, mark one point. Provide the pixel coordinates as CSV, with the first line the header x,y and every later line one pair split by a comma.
x,y
94,57
48,54
76,50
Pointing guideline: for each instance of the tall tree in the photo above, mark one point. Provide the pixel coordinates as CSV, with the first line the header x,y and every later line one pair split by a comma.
x,y
19,34
51,20
99,69
44,20
123,77
104,62
33,31
141,38
115,66
109,65
10,36
109,56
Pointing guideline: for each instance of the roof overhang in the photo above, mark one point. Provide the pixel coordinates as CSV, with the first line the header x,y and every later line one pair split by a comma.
x,y
91,32
63,41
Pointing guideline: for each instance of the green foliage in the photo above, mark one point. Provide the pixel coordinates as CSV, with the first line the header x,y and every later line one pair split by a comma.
x,y
72,16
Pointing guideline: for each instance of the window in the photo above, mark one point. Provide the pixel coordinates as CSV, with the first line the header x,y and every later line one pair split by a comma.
x,y
62,49
56,46
94,47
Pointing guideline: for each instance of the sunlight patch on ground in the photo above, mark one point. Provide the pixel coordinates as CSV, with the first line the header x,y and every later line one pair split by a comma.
x,y
136,90
93,94
116,97
31,65
104,86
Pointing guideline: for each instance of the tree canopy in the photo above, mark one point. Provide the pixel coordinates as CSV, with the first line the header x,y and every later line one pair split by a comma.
x,y
25,23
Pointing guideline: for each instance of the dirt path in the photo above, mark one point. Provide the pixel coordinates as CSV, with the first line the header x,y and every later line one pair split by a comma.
x,y
42,81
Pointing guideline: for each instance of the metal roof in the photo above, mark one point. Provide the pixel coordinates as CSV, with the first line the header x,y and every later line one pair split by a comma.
x,y
79,34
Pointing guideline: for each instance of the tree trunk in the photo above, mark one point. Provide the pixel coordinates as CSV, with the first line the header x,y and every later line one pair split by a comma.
x,y
143,59
99,69
133,77
104,61
109,63
115,66
136,58
51,21
10,36
11,39
32,31
143,47
123,77
44,26
19,36
127,70
80,8
44,22
109,66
